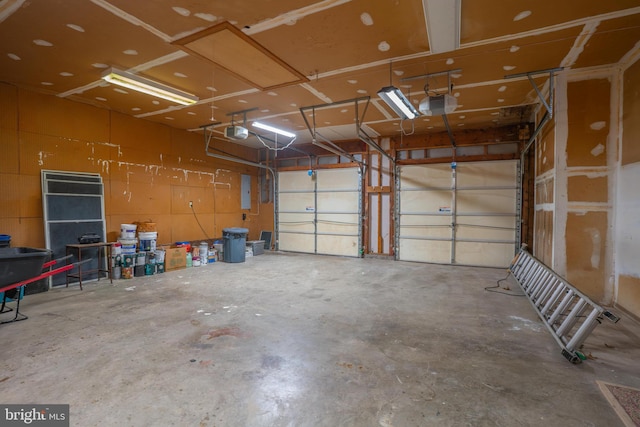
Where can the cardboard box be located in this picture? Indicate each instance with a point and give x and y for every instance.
(175, 259)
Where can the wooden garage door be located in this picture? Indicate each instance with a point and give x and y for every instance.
(320, 214)
(467, 215)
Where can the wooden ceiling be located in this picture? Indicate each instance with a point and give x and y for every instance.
(341, 49)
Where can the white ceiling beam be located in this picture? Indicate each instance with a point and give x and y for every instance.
(443, 24)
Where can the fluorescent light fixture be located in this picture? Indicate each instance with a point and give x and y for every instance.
(274, 129)
(140, 84)
(398, 102)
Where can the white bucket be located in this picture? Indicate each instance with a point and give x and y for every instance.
(128, 246)
(148, 240)
(128, 231)
(204, 252)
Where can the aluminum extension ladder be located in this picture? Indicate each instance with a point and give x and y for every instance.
(569, 315)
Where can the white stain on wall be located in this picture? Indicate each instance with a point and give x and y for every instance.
(597, 150)
(596, 241)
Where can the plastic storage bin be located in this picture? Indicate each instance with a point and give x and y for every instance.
(234, 244)
(5, 241)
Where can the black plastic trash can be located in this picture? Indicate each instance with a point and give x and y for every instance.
(234, 244)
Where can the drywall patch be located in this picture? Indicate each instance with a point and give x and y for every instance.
(40, 42)
(131, 52)
(502, 88)
(598, 125)
(514, 49)
(99, 65)
(508, 67)
(597, 150)
(449, 61)
(14, 56)
(181, 11)
(522, 15)
(366, 19)
(383, 46)
(75, 27)
(206, 17)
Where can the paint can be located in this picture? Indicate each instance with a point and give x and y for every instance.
(116, 273)
(128, 231)
(196, 261)
(149, 269)
(127, 272)
(160, 267)
(159, 256)
(148, 240)
(141, 257)
(129, 246)
(127, 261)
(138, 270)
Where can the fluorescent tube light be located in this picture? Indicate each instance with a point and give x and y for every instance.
(398, 102)
(274, 129)
(140, 84)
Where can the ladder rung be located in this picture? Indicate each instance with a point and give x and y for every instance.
(542, 285)
(584, 330)
(561, 307)
(554, 298)
(531, 281)
(548, 289)
(571, 319)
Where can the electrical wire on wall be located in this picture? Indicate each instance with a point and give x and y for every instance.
(198, 221)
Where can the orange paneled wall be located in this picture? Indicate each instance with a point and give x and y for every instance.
(150, 171)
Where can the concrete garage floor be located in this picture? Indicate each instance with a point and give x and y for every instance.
(301, 340)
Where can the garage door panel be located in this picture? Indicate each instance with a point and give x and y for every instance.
(295, 181)
(296, 242)
(425, 201)
(425, 226)
(296, 202)
(484, 254)
(296, 222)
(338, 245)
(426, 251)
(486, 228)
(338, 202)
(417, 176)
(485, 201)
(338, 179)
(338, 224)
(486, 174)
